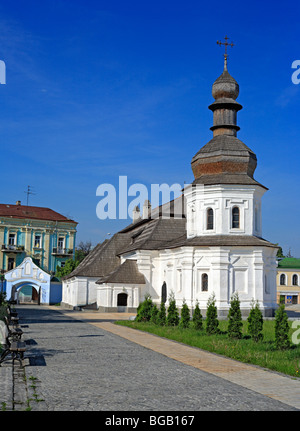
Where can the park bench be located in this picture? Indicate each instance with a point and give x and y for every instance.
(12, 316)
(14, 332)
(14, 347)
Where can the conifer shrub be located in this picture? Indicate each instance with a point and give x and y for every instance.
(154, 314)
(281, 329)
(173, 315)
(185, 316)
(197, 320)
(212, 322)
(162, 315)
(235, 323)
(144, 310)
(255, 322)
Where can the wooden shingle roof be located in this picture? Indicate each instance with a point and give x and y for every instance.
(126, 273)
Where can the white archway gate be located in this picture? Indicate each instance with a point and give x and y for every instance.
(28, 273)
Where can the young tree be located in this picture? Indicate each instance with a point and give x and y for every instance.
(235, 317)
(144, 310)
(255, 322)
(154, 315)
(185, 316)
(281, 329)
(212, 322)
(173, 315)
(197, 318)
(161, 318)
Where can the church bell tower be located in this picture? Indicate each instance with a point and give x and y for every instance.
(224, 198)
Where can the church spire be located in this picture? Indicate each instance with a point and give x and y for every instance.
(225, 90)
(224, 159)
(226, 44)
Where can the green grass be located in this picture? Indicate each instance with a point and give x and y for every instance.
(263, 353)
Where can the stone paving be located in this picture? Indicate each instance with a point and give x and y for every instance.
(78, 361)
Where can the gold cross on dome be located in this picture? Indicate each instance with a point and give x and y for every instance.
(226, 44)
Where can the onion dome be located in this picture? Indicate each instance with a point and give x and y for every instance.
(224, 159)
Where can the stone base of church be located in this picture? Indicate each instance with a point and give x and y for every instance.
(223, 313)
(120, 309)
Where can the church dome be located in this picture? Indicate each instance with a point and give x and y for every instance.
(225, 87)
(224, 159)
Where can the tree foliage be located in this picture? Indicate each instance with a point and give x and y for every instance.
(197, 320)
(173, 315)
(255, 322)
(162, 315)
(235, 318)
(212, 322)
(281, 329)
(82, 250)
(144, 310)
(185, 316)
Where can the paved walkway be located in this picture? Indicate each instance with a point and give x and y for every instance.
(82, 361)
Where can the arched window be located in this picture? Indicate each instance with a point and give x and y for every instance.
(295, 280)
(164, 292)
(210, 218)
(235, 218)
(204, 283)
(282, 280)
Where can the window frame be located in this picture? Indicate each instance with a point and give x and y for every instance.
(210, 219)
(233, 221)
(204, 282)
(282, 277)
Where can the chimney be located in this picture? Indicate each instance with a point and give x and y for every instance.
(146, 209)
(18, 203)
(135, 214)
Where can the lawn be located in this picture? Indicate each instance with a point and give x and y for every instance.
(262, 353)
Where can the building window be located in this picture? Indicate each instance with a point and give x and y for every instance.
(210, 219)
(282, 280)
(12, 239)
(204, 282)
(164, 292)
(235, 217)
(37, 241)
(61, 243)
(10, 263)
(295, 280)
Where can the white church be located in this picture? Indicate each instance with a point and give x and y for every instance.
(209, 242)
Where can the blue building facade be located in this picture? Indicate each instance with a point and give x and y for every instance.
(40, 233)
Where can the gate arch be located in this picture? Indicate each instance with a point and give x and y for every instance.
(17, 287)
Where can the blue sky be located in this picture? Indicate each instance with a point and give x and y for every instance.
(99, 89)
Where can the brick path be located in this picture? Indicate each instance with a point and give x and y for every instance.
(82, 362)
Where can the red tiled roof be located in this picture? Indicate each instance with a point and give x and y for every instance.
(28, 212)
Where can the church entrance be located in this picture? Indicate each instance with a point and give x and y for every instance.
(122, 302)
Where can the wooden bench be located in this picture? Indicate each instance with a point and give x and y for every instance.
(14, 332)
(14, 348)
(12, 315)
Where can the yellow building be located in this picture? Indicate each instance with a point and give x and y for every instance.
(40, 233)
(288, 281)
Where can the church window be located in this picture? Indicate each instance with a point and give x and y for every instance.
(282, 280)
(164, 292)
(210, 219)
(295, 280)
(235, 217)
(204, 283)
